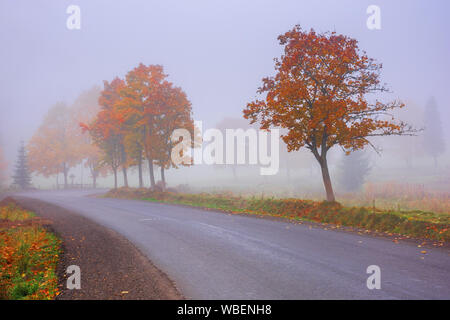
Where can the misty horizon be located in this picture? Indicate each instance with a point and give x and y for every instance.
(217, 53)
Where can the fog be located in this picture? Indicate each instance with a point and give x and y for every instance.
(218, 52)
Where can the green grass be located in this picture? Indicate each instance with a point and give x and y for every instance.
(11, 212)
(414, 223)
(28, 258)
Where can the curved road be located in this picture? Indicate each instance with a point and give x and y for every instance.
(212, 255)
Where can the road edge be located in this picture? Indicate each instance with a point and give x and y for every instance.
(116, 270)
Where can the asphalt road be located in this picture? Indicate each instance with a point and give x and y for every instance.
(213, 255)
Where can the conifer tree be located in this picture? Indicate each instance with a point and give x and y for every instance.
(354, 169)
(21, 177)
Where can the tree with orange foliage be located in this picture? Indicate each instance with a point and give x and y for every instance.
(53, 148)
(319, 94)
(142, 101)
(137, 118)
(134, 150)
(84, 110)
(176, 113)
(107, 128)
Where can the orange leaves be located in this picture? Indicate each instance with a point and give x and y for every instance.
(54, 146)
(28, 259)
(14, 213)
(319, 93)
(138, 115)
(84, 127)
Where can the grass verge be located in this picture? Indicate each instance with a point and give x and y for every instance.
(414, 223)
(28, 256)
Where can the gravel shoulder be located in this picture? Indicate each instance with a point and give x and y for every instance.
(111, 266)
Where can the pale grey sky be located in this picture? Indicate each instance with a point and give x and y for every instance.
(217, 51)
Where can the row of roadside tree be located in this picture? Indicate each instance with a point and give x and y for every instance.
(127, 123)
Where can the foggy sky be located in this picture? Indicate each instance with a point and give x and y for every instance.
(217, 51)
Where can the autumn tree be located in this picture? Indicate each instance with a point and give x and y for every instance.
(84, 110)
(134, 149)
(46, 164)
(175, 113)
(53, 149)
(433, 137)
(319, 94)
(110, 98)
(93, 162)
(142, 101)
(21, 176)
(106, 130)
(152, 108)
(136, 119)
(59, 143)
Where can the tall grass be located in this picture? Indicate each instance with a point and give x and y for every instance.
(400, 196)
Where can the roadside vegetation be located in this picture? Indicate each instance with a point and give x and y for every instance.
(412, 223)
(386, 195)
(28, 256)
(401, 197)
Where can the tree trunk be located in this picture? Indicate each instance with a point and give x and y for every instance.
(115, 177)
(163, 178)
(327, 180)
(65, 176)
(141, 180)
(125, 176)
(152, 176)
(94, 181)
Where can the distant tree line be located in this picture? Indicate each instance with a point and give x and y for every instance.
(59, 143)
(125, 124)
(136, 119)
